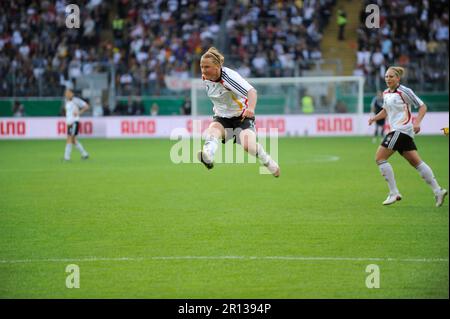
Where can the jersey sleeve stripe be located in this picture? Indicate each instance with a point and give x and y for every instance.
(410, 95)
(234, 84)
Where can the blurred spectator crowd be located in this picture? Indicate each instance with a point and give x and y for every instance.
(413, 34)
(154, 39)
(38, 52)
(276, 38)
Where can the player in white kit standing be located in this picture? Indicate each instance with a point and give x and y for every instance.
(74, 107)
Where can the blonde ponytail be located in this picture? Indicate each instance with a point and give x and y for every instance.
(398, 70)
(216, 57)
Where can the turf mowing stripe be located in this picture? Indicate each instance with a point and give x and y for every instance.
(293, 258)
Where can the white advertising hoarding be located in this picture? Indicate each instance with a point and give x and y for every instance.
(164, 126)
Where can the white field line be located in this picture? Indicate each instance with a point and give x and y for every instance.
(285, 258)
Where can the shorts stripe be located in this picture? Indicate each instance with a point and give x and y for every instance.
(398, 141)
(393, 140)
(72, 129)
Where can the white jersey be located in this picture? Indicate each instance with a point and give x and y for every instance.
(73, 106)
(228, 94)
(398, 107)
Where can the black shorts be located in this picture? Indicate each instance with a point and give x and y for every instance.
(72, 129)
(234, 125)
(398, 141)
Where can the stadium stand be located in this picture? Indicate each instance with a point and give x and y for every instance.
(414, 34)
(276, 39)
(38, 52)
(145, 41)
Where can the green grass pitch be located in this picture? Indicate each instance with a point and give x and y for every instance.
(139, 226)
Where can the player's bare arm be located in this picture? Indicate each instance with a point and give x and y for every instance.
(422, 111)
(252, 98)
(381, 115)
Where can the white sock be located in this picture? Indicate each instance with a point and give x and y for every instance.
(211, 145)
(68, 151)
(261, 154)
(427, 174)
(388, 173)
(81, 149)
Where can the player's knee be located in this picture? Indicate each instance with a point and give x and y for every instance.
(246, 146)
(245, 141)
(414, 162)
(249, 146)
(211, 133)
(214, 131)
(379, 160)
(380, 156)
(252, 149)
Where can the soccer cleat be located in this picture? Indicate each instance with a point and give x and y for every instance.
(205, 159)
(392, 198)
(440, 197)
(85, 157)
(273, 167)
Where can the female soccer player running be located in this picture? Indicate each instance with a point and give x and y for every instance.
(234, 101)
(74, 107)
(397, 101)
